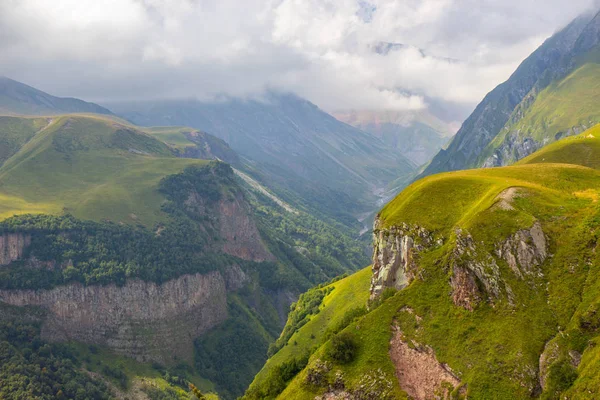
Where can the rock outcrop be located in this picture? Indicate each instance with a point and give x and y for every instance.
(395, 252)
(524, 250)
(239, 233)
(475, 273)
(13, 247)
(142, 320)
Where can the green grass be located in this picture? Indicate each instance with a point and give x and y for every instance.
(583, 149)
(173, 136)
(494, 349)
(348, 293)
(91, 167)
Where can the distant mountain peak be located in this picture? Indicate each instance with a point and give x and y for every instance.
(19, 98)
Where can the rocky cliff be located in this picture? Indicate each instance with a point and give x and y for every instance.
(13, 247)
(395, 253)
(143, 320)
(475, 272)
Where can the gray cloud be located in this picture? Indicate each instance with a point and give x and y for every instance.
(319, 49)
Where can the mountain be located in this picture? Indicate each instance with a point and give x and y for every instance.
(417, 135)
(524, 113)
(18, 98)
(291, 146)
(172, 265)
(485, 284)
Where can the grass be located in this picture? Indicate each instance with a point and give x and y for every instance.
(495, 349)
(91, 167)
(348, 293)
(173, 136)
(583, 149)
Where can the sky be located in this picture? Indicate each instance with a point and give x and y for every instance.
(454, 51)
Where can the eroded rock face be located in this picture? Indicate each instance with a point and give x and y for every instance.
(419, 372)
(524, 250)
(394, 255)
(231, 217)
(13, 246)
(475, 274)
(142, 320)
(239, 232)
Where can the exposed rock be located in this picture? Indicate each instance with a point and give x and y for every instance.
(419, 372)
(524, 250)
(475, 274)
(142, 320)
(235, 278)
(231, 217)
(505, 199)
(395, 252)
(239, 232)
(13, 247)
(547, 358)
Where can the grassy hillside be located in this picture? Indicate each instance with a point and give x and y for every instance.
(564, 107)
(583, 149)
(317, 314)
(91, 167)
(495, 349)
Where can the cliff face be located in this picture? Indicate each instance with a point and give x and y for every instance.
(475, 272)
(239, 232)
(143, 320)
(395, 250)
(13, 246)
(230, 216)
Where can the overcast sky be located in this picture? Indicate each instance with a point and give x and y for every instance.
(322, 50)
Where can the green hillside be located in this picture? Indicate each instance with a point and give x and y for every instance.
(583, 149)
(90, 167)
(493, 350)
(563, 108)
(312, 319)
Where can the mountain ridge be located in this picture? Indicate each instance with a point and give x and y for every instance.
(21, 99)
(492, 114)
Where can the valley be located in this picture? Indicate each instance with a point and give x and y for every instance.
(229, 238)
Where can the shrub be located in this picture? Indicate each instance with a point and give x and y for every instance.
(342, 348)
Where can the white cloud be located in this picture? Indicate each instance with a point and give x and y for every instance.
(320, 49)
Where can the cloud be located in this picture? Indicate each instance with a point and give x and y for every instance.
(457, 50)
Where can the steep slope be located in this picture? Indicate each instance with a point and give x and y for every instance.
(18, 98)
(551, 62)
(496, 272)
(297, 147)
(416, 135)
(564, 108)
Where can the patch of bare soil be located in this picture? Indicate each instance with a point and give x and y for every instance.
(506, 197)
(418, 371)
